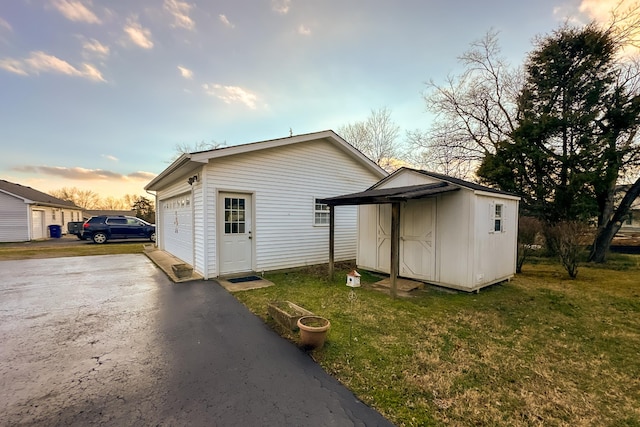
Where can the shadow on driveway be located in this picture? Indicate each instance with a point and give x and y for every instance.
(109, 340)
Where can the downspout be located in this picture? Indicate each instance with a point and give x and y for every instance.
(193, 224)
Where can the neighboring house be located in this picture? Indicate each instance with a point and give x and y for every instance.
(86, 214)
(253, 207)
(631, 224)
(25, 213)
(451, 232)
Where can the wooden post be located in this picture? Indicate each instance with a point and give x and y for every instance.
(395, 247)
(332, 222)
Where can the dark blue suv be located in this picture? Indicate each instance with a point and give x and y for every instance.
(104, 227)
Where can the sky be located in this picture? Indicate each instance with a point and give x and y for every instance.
(98, 94)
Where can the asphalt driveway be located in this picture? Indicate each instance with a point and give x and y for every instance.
(109, 340)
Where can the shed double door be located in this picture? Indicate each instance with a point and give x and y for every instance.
(417, 239)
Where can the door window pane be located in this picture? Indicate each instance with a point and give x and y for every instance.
(234, 215)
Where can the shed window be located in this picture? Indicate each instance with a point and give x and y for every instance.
(498, 218)
(320, 213)
(234, 215)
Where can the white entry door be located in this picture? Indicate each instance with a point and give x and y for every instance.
(235, 233)
(417, 237)
(37, 225)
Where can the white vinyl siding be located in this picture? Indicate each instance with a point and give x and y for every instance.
(14, 219)
(467, 256)
(283, 181)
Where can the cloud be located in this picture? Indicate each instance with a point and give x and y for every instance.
(141, 175)
(304, 30)
(82, 174)
(5, 26)
(13, 66)
(138, 35)
(110, 157)
(185, 72)
(94, 47)
(75, 10)
(281, 6)
(231, 94)
(180, 11)
(225, 21)
(40, 62)
(592, 10)
(92, 73)
(600, 10)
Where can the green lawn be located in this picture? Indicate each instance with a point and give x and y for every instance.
(539, 350)
(25, 251)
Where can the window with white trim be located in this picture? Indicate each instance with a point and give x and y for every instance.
(320, 213)
(497, 218)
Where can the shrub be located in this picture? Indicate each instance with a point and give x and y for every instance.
(529, 230)
(568, 239)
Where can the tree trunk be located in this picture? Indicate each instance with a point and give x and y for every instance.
(612, 225)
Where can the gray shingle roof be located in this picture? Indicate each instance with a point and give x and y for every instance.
(389, 195)
(34, 196)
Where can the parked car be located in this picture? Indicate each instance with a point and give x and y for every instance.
(76, 227)
(105, 227)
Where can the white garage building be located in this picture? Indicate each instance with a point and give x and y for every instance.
(254, 207)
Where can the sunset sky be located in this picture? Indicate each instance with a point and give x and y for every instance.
(97, 94)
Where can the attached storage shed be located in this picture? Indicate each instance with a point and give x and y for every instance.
(254, 207)
(26, 213)
(449, 232)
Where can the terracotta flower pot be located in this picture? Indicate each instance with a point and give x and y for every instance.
(313, 331)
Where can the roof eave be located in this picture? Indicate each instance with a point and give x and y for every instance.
(156, 183)
(331, 136)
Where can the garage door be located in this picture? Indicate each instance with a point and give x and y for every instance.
(177, 227)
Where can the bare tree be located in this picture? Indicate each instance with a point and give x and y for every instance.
(376, 137)
(438, 156)
(113, 203)
(184, 148)
(85, 199)
(474, 111)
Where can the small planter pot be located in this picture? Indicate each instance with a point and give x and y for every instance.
(313, 331)
(286, 313)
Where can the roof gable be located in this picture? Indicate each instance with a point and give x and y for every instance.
(444, 178)
(189, 162)
(32, 196)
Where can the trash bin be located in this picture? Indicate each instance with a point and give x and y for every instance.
(55, 231)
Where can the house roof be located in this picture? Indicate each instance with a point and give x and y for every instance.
(456, 181)
(389, 195)
(32, 196)
(376, 195)
(190, 162)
